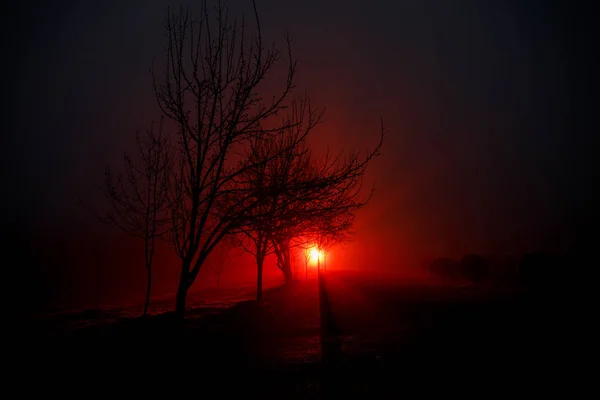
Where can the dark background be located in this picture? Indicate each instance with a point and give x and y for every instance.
(490, 110)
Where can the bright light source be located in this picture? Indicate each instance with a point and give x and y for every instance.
(314, 255)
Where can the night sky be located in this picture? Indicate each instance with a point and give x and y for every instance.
(490, 145)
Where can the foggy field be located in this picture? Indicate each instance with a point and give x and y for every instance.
(371, 330)
(202, 302)
(300, 200)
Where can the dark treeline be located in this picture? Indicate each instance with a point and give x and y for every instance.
(535, 271)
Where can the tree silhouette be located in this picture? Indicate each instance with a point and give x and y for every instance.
(301, 198)
(334, 228)
(138, 195)
(320, 202)
(210, 89)
(276, 161)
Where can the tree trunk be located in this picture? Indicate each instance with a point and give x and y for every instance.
(148, 287)
(306, 269)
(286, 262)
(218, 281)
(182, 290)
(287, 273)
(259, 263)
(181, 300)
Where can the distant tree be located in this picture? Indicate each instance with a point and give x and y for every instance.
(268, 183)
(301, 197)
(210, 89)
(321, 202)
(294, 261)
(139, 204)
(257, 245)
(335, 228)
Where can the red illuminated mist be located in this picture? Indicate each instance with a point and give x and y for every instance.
(481, 153)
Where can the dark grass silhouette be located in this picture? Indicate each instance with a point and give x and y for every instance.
(398, 337)
(278, 337)
(350, 334)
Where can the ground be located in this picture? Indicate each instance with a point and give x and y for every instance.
(343, 335)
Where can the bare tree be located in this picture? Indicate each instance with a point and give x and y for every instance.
(320, 202)
(253, 236)
(301, 198)
(323, 234)
(276, 161)
(138, 195)
(256, 244)
(210, 89)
